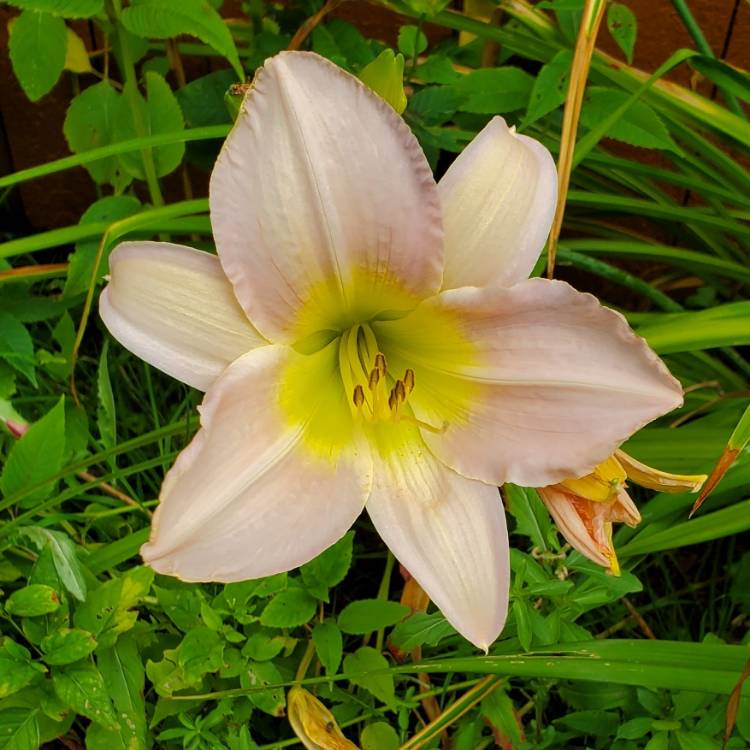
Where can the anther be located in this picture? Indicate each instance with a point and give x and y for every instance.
(409, 380)
(374, 379)
(400, 391)
(358, 396)
(393, 401)
(380, 363)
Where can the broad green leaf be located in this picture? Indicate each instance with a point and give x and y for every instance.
(32, 33)
(366, 668)
(39, 453)
(328, 645)
(67, 645)
(64, 8)
(162, 114)
(200, 652)
(76, 54)
(182, 605)
(492, 91)
(109, 209)
(635, 728)
(550, 87)
(162, 19)
(340, 41)
(523, 623)
(16, 346)
(385, 76)
(107, 611)
(411, 41)
(264, 645)
(421, 629)
(330, 567)
(289, 608)
(19, 729)
(623, 25)
(379, 736)
(33, 601)
(16, 668)
(90, 123)
(260, 674)
(63, 552)
(82, 687)
(122, 670)
(639, 125)
(364, 616)
(438, 69)
(532, 519)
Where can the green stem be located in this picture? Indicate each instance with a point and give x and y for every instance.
(385, 584)
(136, 103)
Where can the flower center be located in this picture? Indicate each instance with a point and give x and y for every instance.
(376, 395)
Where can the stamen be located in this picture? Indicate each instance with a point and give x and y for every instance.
(373, 379)
(409, 380)
(380, 363)
(400, 391)
(359, 396)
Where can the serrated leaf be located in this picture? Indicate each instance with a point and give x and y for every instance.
(162, 114)
(331, 566)
(532, 519)
(623, 26)
(63, 8)
(328, 645)
(365, 668)
(62, 549)
(16, 346)
(34, 31)
(264, 673)
(491, 91)
(162, 19)
(639, 126)
(288, 609)
(82, 687)
(67, 645)
(364, 616)
(550, 87)
(107, 610)
(90, 123)
(421, 629)
(39, 453)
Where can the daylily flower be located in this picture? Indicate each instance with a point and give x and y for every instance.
(366, 336)
(586, 508)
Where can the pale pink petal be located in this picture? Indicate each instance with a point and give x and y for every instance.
(250, 496)
(174, 307)
(449, 533)
(552, 382)
(498, 200)
(323, 206)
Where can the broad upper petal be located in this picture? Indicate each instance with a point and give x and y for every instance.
(545, 384)
(323, 206)
(252, 495)
(174, 307)
(450, 534)
(498, 200)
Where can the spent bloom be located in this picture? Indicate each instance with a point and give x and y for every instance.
(586, 508)
(369, 337)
